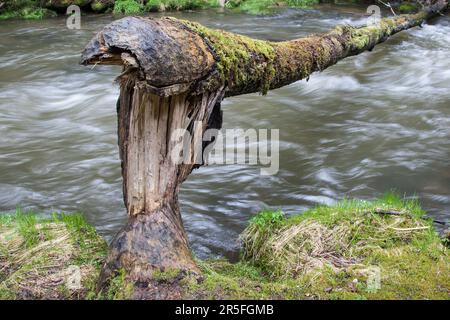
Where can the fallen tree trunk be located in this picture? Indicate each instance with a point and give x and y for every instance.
(175, 75)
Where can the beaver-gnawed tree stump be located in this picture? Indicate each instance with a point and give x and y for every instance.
(175, 75)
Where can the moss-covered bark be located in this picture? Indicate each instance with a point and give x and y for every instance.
(247, 65)
(243, 65)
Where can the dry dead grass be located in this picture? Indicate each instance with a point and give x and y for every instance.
(333, 239)
(49, 266)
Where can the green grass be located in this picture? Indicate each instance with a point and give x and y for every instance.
(32, 9)
(27, 13)
(100, 6)
(37, 253)
(250, 6)
(348, 209)
(266, 6)
(133, 7)
(335, 252)
(119, 288)
(24, 9)
(408, 7)
(255, 6)
(128, 7)
(327, 252)
(179, 5)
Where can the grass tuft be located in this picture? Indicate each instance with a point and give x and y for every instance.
(39, 256)
(262, 7)
(119, 287)
(179, 5)
(338, 236)
(128, 7)
(27, 13)
(384, 249)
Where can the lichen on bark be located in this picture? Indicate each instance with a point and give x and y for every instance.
(247, 65)
(243, 63)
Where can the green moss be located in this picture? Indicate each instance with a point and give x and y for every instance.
(127, 7)
(256, 6)
(37, 254)
(267, 6)
(154, 5)
(247, 65)
(349, 209)
(97, 6)
(268, 219)
(301, 3)
(327, 252)
(119, 288)
(408, 7)
(335, 252)
(24, 9)
(237, 64)
(179, 5)
(28, 13)
(165, 275)
(102, 5)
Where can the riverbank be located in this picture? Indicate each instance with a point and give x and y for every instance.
(39, 256)
(384, 249)
(33, 9)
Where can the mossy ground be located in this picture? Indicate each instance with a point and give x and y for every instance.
(41, 258)
(249, 6)
(408, 7)
(384, 249)
(354, 250)
(266, 6)
(33, 9)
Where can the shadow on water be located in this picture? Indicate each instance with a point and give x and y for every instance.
(372, 123)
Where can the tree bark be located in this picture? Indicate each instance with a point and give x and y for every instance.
(175, 74)
(154, 237)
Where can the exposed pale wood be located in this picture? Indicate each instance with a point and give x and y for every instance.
(154, 236)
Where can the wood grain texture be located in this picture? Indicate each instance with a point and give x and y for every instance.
(154, 236)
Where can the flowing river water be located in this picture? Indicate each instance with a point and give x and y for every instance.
(376, 122)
